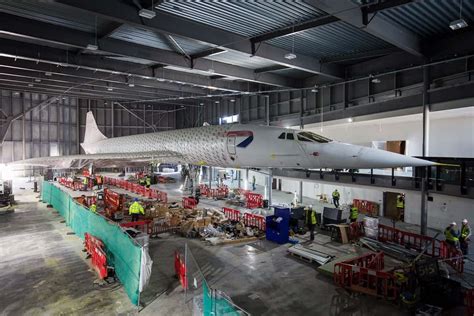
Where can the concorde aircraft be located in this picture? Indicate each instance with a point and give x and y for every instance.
(233, 146)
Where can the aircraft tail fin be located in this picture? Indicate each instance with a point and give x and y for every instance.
(92, 134)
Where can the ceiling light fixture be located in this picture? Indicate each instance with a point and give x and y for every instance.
(131, 85)
(201, 103)
(292, 55)
(48, 74)
(30, 85)
(147, 14)
(315, 90)
(110, 89)
(459, 23)
(232, 100)
(376, 80)
(92, 47)
(37, 80)
(216, 102)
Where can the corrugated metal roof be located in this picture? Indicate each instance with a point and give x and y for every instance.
(54, 13)
(293, 73)
(140, 36)
(428, 18)
(133, 60)
(330, 40)
(241, 59)
(247, 18)
(191, 46)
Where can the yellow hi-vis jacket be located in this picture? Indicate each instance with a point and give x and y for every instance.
(400, 203)
(85, 181)
(136, 208)
(311, 217)
(354, 213)
(335, 194)
(93, 208)
(465, 231)
(449, 235)
(148, 181)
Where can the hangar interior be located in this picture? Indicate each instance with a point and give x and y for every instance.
(235, 237)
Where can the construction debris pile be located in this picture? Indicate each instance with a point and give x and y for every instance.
(210, 224)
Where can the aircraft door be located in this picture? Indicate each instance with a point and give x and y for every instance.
(231, 145)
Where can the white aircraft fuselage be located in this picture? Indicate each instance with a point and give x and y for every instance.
(242, 146)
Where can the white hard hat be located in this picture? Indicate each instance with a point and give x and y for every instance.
(453, 224)
(311, 206)
(464, 221)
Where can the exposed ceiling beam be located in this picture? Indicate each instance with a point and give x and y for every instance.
(170, 24)
(388, 4)
(35, 76)
(270, 68)
(11, 25)
(108, 30)
(208, 52)
(351, 13)
(458, 44)
(57, 60)
(369, 54)
(295, 28)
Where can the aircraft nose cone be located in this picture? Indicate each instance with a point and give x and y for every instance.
(376, 158)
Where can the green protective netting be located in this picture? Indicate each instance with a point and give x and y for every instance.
(216, 306)
(122, 253)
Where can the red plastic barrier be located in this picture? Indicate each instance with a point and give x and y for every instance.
(254, 220)
(143, 226)
(364, 274)
(204, 189)
(95, 248)
(233, 215)
(180, 270)
(189, 202)
(469, 302)
(254, 200)
(404, 238)
(455, 255)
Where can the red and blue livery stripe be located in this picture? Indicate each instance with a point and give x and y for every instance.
(246, 141)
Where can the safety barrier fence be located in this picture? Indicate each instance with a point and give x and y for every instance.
(121, 250)
(249, 219)
(189, 202)
(220, 192)
(431, 246)
(205, 300)
(366, 207)
(95, 248)
(364, 274)
(254, 200)
(138, 189)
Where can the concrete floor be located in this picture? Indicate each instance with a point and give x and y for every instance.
(43, 270)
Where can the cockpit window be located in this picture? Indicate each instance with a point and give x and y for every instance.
(312, 137)
(282, 136)
(290, 136)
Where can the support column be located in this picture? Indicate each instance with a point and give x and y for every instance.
(425, 150)
(239, 178)
(300, 198)
(246, 186)
(269, 187)
(267, 109)
(209, 176)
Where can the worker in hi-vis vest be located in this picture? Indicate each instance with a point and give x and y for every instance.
(452, 235)
(464, 238)
(400, 206)
(135, 210)
(354, 214)
(93, 208)
(335, 198)
(310, 220)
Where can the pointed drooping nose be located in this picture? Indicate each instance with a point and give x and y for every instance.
(345, 156)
